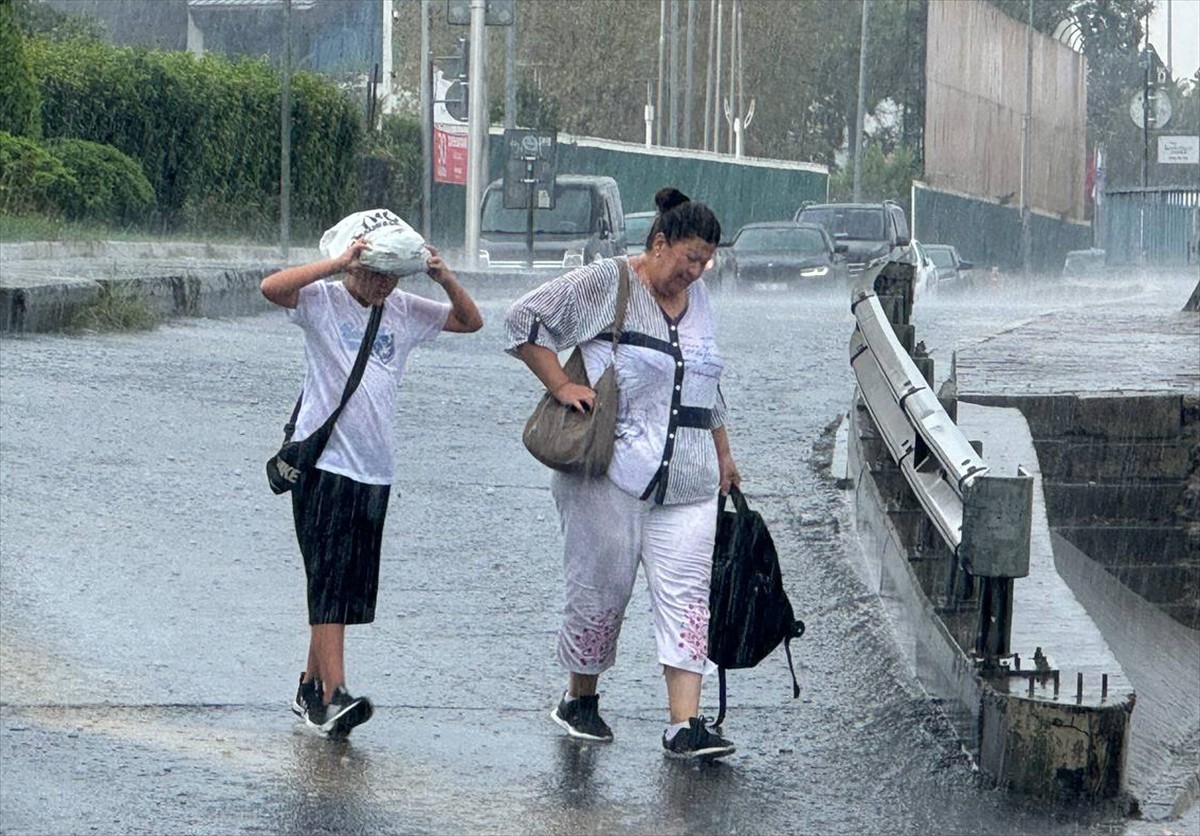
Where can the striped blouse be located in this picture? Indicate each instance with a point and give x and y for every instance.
(668, 373)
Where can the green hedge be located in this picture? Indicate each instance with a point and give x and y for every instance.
(31, 177)
(109, 187)
(206, 132)
(389, 169)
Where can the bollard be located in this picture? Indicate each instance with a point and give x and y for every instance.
(1103, 687)
(1079, 687)
(1016, 661)
(1056, 685)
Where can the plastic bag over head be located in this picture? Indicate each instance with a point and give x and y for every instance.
(395, 247)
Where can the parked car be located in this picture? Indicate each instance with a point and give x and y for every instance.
(925, 279)
(950, 266)
(864, 232)
(1084, 263)
(587, 223)
(637, 227)
(778, 255)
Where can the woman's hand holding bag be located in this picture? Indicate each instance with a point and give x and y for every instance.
(574, 441)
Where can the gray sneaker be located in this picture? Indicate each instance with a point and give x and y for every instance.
(696, 741)
(581, 718)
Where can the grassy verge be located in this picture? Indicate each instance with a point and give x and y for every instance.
(116, 308)
(19, 228)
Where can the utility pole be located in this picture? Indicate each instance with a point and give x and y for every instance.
(476, 131)
(743, 122)
(731, 105)
(673, 76)
(1170, 66)
(862, 97)
(716, 107)
(648, 113)
(689, 67)
(426, 122)
(708, 76)
(510, 75)
(662, 47)
(285, 137)
(1027, 146)
(385, 58)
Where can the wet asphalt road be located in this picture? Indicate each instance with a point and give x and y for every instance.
(152, 619)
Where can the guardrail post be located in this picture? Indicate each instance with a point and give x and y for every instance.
(997, 520)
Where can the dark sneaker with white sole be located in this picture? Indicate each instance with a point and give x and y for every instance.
(697, 742)
(308, 697)
(341, 715)
(581, 718)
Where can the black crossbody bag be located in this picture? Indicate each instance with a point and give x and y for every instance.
(295, 457)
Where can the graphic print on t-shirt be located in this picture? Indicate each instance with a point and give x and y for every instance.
(385, 343)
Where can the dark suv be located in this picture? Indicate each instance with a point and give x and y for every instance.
(862, 232)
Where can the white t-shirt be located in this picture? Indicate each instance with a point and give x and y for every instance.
(334, 324)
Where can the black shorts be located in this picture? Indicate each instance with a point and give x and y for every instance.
(339, 526)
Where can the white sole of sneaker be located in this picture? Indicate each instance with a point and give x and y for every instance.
(576, 734)
(701, 754)
(357, 714)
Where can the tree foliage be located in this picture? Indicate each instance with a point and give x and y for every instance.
(105, 185)
(18, 90)
(1110, 33)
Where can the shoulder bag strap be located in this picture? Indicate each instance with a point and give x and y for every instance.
(622, 300)
(356, 373)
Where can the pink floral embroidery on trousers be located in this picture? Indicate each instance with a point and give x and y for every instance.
(693, 632)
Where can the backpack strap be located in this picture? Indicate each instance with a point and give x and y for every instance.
(721, 706)
(797, 632)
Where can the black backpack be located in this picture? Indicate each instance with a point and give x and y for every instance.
(749, 612)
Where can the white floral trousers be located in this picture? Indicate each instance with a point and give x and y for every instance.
(607, 533)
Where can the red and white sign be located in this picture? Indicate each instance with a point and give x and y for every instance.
(450, 155)
(449, 137)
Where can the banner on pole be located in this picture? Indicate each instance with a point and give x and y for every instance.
(449, 135)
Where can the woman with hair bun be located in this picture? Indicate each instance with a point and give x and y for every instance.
(657, 504)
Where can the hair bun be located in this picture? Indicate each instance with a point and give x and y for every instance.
(668, 197)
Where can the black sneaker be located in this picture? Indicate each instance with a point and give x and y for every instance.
(696, 741)
(581, 718)
(308, 697)
(343, 713)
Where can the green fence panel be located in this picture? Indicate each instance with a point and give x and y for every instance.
(739, 191)
(1156, 227)
(989, 234)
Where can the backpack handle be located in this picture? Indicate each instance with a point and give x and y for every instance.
(739, 500)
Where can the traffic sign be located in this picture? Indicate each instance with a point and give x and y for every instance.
(1160, 108)
(530, 166)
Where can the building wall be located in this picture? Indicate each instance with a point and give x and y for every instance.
(975, 104)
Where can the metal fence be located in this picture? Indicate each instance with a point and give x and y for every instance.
(988, 233)
(1154, 226)
(739, 190)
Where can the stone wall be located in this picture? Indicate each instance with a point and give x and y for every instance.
(1122, 482)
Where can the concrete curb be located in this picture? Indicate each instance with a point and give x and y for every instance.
(44, 284)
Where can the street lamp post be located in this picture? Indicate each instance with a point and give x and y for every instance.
(476, 131)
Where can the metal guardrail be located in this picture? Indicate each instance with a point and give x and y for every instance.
(984, 519)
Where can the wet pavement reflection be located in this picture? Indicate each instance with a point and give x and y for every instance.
(152, 618)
